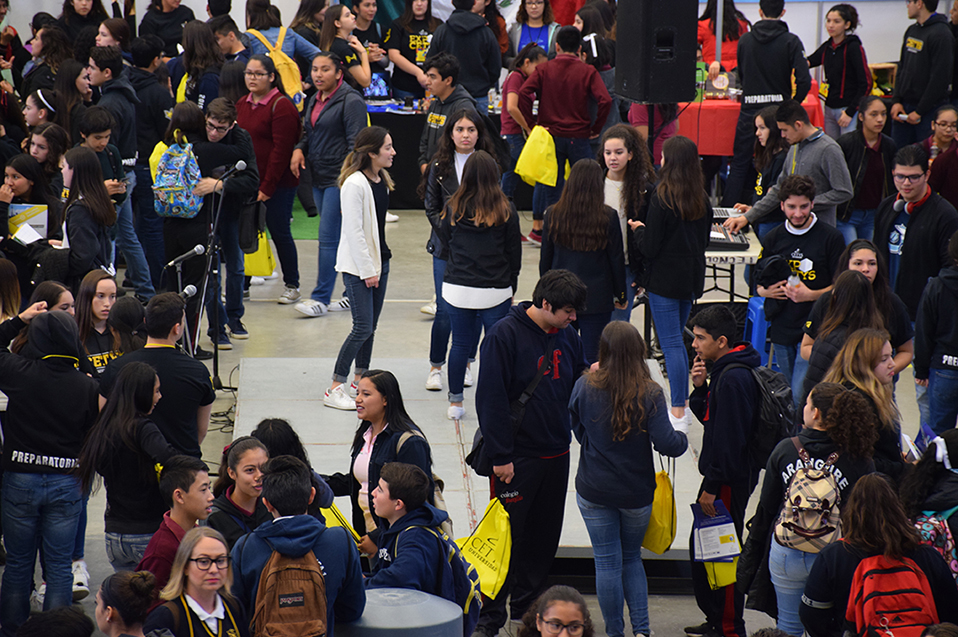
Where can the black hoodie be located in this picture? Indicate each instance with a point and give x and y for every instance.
(767, 55)
(936, 331)
(439, 110)
(41, 435)
(944, 496)
(152, 112)
(119, 97)
(846, 73)
(168, 26)
(924, 71)
(467, 36)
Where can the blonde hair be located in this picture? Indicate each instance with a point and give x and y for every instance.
(177, 584)
(855, 365)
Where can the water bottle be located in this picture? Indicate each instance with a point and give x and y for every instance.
(793, 281)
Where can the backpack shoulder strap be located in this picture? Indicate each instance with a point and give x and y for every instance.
(279, 40)
(262, 38)
(406, 435)
(801, 451)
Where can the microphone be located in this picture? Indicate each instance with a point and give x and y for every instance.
(238, 166)
(197, 250)
(188, 291)
(899, 205)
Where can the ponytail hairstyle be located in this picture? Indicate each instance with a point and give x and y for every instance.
(259, 16)
(848, 14)
(127, 323)
(847, 419)
(88, 185)
(370, 140)
(530, 52)
(580, 219)
(921, 478)
(681, 182)
(45, 99)
(624, 375)
(232, 454)
(479, 196)
(874, 519)
(639, 172)
(130, 594)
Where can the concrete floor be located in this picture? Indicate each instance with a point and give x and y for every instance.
(278, 332)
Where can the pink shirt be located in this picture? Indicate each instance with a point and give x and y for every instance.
(512, 85)
(321, 103)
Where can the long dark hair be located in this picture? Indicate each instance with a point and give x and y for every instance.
(852, 305)
(9, 289)
(369, 140)
(84, 301)
(57, 47)
(47, 291)
(580, 219)
(120, 30)
(592, 21)
(330, 30)
(531, 51)
(127, 324)
(69, 12)
(397, 418)
(638, 173)
(681, 182)
(88, 184)
(130, 400)
(405, 20)
(444, 160)
(233, 81)
(30, 168)
(555, 594)
(492, 16)
(479, 196)
(731, 29)
(304, 15)
(764, 155)
(847, 419)
(259, 15)
(200, 50)
(881, 286)
(271, 70)
(548, 17)
(187, 119)
(68, 95)
(874, 519)
(232, 455)
(282, 440)
(58, 141)
(624, 375)
(921, 478)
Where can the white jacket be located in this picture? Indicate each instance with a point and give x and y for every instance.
(359, 251)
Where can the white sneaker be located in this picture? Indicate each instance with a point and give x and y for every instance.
(312, 308)
(429, 308)
(257, 280)
(434, 380)
(342, 305)
(467, 379)
(81, 581)
(681, 424)
(289, 296)
(338, 399)
(353, 390)
(274, 275)
(391, 218)
(37, 597)
(455, 413)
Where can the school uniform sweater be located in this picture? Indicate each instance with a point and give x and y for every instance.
(564, 86)
(274, 126)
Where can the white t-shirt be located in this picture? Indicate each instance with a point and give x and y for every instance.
(460, 164)
(613, 199)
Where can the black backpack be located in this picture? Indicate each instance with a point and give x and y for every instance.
(775, 415)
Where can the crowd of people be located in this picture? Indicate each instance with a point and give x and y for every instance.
(858, 273)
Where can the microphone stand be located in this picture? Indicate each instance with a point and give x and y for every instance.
(186, 324)
(213, 267)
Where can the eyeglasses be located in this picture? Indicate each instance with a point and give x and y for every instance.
(947, 125)
(909, 178)
(217, 129)
(204, 563)
(554, 627)
(256, 74)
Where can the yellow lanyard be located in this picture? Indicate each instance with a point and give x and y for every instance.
(233, 632)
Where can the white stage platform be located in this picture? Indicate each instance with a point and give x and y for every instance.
(293, 389)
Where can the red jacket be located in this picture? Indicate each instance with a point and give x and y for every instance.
(274, 127)
(564, 86)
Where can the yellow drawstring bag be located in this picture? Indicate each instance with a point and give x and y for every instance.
(261, 262)
(537, 162)
(335, 517)
(489, 548)
(662, 524)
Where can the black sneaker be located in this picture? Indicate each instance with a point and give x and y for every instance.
(201, 354)
(702, 629)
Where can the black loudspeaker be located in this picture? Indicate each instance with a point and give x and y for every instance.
(655, 50)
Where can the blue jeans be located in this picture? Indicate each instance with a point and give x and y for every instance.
(670, 317)
(137, 270)
(942, 399)
(39, 509)
(125, 550)
(923, 398)
(590, 328)
(832, 129)
(441, 327)
(789, 569)
(79, 539)
(510, 179)
(279, 214)
(232, 259)
(567, 148)
(904, 133)
(482, 104)
(626, 314)
(616, 536)
(330, 223)
(365, 305)
(791, 363)
(860, 225)
(465, 335)
(149, 227)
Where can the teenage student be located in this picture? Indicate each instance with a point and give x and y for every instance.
(338, 38)
(238, 508)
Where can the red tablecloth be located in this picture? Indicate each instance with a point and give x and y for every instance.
(711, 124)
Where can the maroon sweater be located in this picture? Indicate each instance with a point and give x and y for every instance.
(275, 128)
(944, 172)
(564, 86)
(158, 558)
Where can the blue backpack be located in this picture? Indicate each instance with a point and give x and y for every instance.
(463, 576)
(177, 175)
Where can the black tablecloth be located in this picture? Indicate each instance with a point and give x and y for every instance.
(406, 131)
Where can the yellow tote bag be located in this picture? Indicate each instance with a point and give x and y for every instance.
(721, 574)
(335, 517)
(537, 162)
(261, 262)
(662, 524)
(489, 548)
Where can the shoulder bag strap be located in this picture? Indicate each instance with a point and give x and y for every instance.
(545, 366)
(801, 451)
(279, 40)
